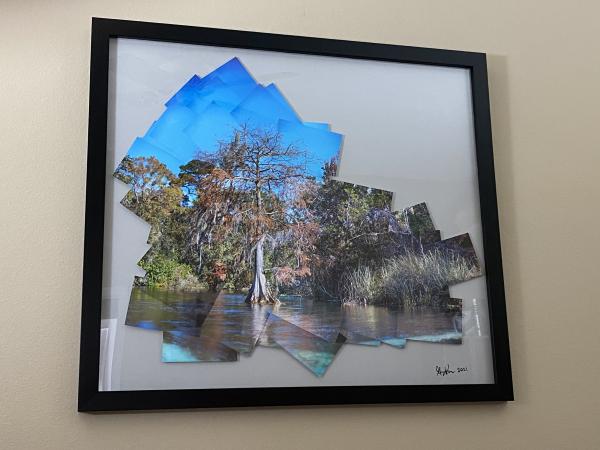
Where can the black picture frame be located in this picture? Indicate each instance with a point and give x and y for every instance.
(90, 399)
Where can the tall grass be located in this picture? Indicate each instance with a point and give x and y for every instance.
(359, 286)
(411, 279)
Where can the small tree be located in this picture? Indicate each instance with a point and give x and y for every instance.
(156, 197)
(154, 188)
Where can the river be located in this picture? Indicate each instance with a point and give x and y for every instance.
(206, 326)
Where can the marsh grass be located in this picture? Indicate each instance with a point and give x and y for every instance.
(411, 279)
(360, 286)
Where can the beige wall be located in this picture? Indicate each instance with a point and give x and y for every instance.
(545, 90)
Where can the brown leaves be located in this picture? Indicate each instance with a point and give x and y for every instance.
(288, 275)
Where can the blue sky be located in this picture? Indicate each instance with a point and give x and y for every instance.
(206, 110)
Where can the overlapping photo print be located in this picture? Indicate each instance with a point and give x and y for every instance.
(257, 240)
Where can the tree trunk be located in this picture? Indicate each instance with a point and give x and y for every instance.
(259, 292)
(199, 268)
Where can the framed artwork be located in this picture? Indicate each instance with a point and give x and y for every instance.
(281, 220)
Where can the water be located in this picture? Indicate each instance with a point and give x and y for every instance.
(160, 309)
(205, 326)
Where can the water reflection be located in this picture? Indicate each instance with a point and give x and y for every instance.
(204, 326)
(315, 353)
(438, 324)
(235, 323)
(162, 309)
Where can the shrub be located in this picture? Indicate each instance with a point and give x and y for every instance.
(167, 273)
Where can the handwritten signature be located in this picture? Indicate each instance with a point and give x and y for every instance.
(446, 370)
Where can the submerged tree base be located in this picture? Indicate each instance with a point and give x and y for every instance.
(259, 295)
(253, 300)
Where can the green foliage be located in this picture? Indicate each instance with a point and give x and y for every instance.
(155, 191)
(168, 273)
(419, 220)
(156, 197)
(365, 253)
(226, 263)
(351, 219)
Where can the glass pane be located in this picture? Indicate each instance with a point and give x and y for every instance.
(279, 219)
